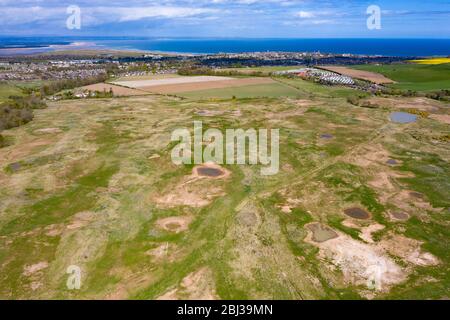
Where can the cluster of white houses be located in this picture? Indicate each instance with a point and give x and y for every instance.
(320, 75)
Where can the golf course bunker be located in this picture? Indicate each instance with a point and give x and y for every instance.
(397, 215)
(403, 117)
(357, 213)
(321, 233)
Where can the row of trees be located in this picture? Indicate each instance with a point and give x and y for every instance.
(18, 111)
(196, 71)
(60, 85)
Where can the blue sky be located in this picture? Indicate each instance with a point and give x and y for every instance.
(227, 18)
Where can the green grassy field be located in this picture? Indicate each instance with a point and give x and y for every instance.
(416, 77)
(91, 183)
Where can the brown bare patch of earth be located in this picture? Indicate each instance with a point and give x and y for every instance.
(211, 170)
(170, 81)
(360, 262)
(382, 180)
(366, 232)
(198, 86)
(198, 285)
(408, 249)
(407, 199)
(444, 118)
(321, 233)
(48, 131)
(195, 190)
(34, 268)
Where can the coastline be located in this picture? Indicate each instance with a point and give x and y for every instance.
(198, 47)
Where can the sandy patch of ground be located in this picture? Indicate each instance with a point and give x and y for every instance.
(360, 263)
(286, 209)
(360, 74)
(198, 285)
(285, 114)
(444, 118)
(209, 113)
(366, 232)
(198, 171)
(163, 251)
(22, 149)
(48, 131)
(409, 250)
(399, 216)
(194, 190)
(423, 104)
(189, 195)
(369, 155)
(32, 269)
(81, 220)
(305, 103)
(382, 180)
(174, 224)
(169, 81)
(405, 199)
(54, 230)
(203, 85)
(117, 90)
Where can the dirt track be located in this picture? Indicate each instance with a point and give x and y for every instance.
(117, 90)
(359, 74)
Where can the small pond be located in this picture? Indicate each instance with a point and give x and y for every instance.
(403, 117)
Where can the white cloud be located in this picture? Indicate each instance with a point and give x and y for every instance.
(305, 14)
(136, 13)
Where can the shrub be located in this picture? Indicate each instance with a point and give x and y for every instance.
(2, 141)
(354, 100)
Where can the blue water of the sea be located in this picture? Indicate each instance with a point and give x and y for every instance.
(384, 47)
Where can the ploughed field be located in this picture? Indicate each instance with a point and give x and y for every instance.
(359, 209)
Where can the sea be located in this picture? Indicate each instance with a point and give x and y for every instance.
(378, 47)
